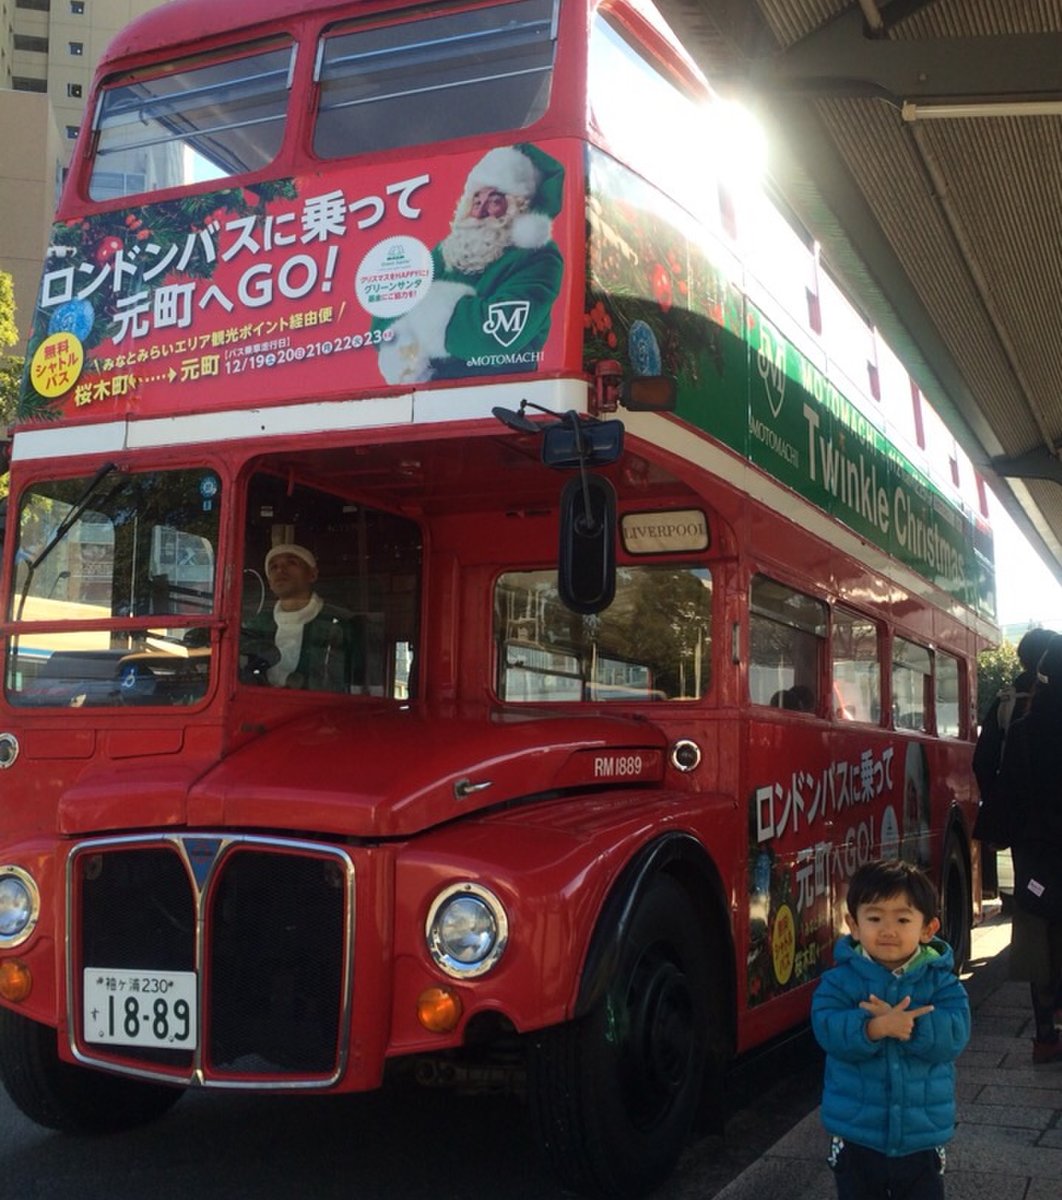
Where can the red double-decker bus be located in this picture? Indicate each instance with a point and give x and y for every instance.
(457, 607)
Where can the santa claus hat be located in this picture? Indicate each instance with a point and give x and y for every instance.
(528, 173)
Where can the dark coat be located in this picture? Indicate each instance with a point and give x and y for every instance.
(994, 818)
(329, 657)
(1030, 776)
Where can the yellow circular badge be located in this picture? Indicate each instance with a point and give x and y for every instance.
(783, 944)
(56, 364)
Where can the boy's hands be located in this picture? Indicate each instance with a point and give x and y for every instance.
(892, 1020)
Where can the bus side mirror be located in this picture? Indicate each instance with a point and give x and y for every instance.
(586, 565)
(576, 443)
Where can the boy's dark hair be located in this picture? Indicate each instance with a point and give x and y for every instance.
(882, 879)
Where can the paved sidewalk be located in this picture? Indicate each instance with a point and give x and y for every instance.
(1008, 1145)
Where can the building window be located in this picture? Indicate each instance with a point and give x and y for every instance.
(77, 49)
(109, 185)
(22, 83)
(24, 41)
(77, 7)
(71, 132)
(74, 90)
(36, 5)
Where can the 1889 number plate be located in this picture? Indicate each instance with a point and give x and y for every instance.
(140, 1008)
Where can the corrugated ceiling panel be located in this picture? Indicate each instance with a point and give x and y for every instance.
(791, 20)
(982, 18)
(1005, 177)
(898, 191)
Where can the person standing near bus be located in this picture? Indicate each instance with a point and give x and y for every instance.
(495, 276)
(1030, 780)
(310, 643)
(1012, 702)
(892, 1017)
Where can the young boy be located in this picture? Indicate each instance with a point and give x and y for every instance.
(892, 1018)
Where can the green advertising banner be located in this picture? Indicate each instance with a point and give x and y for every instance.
(807, 435)
(663, 297)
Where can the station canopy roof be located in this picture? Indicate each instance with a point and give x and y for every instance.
(920, 143)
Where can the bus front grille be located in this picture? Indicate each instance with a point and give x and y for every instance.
(265, 926)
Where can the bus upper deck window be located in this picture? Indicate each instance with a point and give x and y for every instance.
(191, 122)
(433, 79)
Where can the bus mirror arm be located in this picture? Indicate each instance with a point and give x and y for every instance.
(568, 440)
(586, 561)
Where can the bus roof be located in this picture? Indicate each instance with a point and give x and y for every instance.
(192, 21)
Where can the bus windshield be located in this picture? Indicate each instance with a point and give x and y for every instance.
(191, 121)
(91, 557)
(437, 78)
(351, 586)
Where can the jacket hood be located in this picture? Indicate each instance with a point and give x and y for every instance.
(847, 951)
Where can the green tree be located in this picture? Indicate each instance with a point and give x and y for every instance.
(995, 668)
(10, 366)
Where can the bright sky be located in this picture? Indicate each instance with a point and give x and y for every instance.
(1026, 591)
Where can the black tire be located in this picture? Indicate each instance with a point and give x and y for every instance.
(71, 1099)
(956, 904)
(614, 1094)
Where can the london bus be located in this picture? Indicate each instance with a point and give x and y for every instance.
(647, 629)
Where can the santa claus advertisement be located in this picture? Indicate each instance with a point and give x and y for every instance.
(314, 287)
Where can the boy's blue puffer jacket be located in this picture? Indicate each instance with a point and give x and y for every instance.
(895, 1097)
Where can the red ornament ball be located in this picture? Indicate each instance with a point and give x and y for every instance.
(108, 248)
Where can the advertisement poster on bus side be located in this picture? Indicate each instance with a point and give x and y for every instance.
(826, 807)
(662, 299)
(314, 287)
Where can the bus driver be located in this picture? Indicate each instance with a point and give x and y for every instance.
(307, 643)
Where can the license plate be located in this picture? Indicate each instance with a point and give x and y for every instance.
(140, 1008)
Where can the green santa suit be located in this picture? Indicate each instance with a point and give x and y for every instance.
(494, 320)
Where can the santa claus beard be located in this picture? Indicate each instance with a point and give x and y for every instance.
(475, 242)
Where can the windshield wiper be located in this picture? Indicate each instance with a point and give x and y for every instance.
(62, 529)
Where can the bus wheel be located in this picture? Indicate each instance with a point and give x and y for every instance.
(68, 1098)
(955, 902)
(614, 1094)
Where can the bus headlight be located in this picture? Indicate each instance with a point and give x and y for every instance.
(19, 906)
(467, 930)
